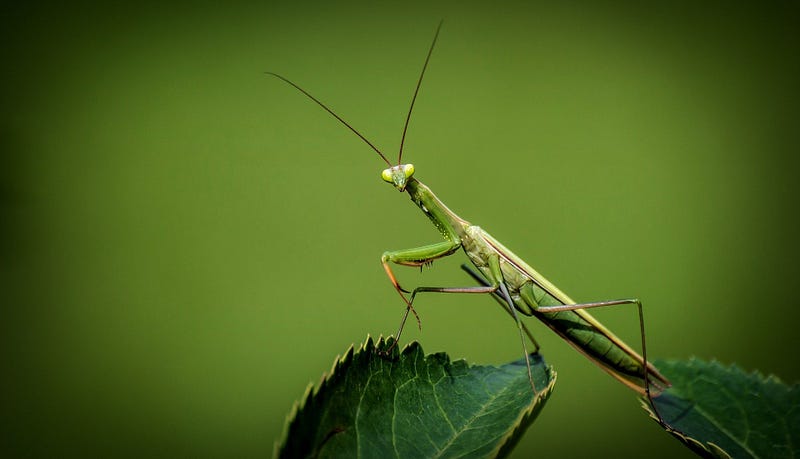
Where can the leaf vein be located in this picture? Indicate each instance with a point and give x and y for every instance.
(482, 412)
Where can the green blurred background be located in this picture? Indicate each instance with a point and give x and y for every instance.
(186, 243)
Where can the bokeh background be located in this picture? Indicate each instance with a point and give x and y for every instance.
(186, 243)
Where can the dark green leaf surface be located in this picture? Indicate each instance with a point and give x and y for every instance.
(720, 411)
(412, 405)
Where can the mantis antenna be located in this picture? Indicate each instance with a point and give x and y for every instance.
(332, 113)
(416, 91)
(408, 116)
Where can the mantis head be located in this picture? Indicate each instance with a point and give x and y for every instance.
(398, 175)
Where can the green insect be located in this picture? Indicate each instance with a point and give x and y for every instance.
(518, 287)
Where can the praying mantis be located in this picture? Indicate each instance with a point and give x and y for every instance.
(519, 288)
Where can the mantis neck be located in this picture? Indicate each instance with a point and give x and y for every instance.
(445, 220)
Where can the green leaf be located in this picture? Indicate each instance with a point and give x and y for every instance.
(408, 404)
(722, 411)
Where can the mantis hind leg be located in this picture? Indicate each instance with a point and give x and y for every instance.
(527, 295)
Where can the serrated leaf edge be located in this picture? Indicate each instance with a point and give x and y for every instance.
(712, 449)
(522, 421)
(755, 374)
(709, 449)
(339, 361)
